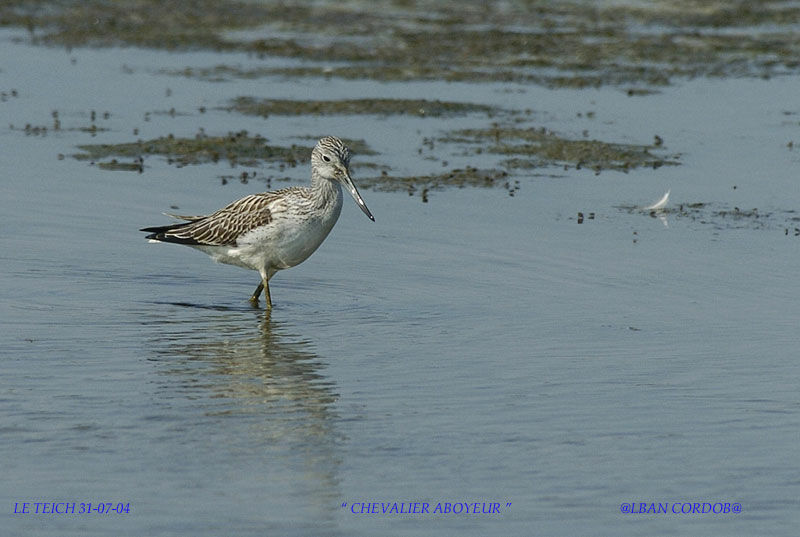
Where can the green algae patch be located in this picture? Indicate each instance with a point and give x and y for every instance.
(532, 147)
(137, 165)
(414, 107)
(455, 178)
(530, 153)
(238, 148)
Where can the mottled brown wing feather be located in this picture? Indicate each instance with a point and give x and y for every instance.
(223, 227)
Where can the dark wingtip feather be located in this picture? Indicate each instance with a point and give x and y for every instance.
(159, 233)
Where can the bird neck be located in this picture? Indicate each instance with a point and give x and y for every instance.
(324, 191)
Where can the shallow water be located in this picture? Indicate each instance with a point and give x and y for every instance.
(475, 348)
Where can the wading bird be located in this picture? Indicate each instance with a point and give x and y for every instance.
(272, 231)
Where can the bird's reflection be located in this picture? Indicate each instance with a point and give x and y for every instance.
(240, 366)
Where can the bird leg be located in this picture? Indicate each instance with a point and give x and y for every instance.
(263, 286)
(257, 293)
(266, 294)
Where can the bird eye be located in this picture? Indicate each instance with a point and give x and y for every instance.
(326, 158)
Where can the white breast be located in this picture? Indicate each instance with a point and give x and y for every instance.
(289, 239)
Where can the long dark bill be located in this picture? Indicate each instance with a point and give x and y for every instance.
(351, 187)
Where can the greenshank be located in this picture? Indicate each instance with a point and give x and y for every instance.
(272, 231)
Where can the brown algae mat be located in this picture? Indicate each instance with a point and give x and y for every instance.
(413, 107)
(568, 43)
(635, 46)
(532, 148)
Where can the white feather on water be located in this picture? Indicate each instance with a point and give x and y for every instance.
(660, 204)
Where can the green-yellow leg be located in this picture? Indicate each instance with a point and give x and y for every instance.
(267, 296)
(263, 286)
(257, 293)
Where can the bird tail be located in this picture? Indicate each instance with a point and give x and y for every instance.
(161, 233)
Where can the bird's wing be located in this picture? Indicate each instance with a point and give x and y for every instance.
(185, 217)
(223, 227)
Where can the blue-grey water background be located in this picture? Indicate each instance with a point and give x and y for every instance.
(475, 348)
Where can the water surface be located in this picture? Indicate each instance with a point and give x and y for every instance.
(475, 348)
